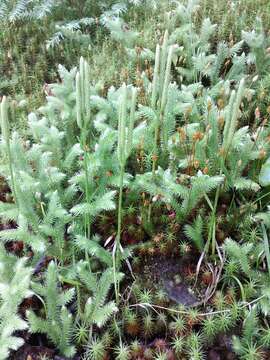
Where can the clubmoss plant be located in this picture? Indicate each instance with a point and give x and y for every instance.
(124, 146)
(14, 288)
(6, 137)
(58, 321)
(160, 85)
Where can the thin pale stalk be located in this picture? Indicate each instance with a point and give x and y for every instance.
(131, 122)
(5, 134)
(87, 91)
(79, 101)
(155, 78)
(118, 235)
(163, 60)
(266, 247)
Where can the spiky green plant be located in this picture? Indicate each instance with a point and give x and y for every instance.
(57, 323)
(248, 347)
(122, 352)
(6, 137)
(178, 325)
(97, 310)
(14, 288)
(195, 232)
(95, 350)
(178, 344)
(124, 147)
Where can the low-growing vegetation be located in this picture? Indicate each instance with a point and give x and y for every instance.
(135, 180)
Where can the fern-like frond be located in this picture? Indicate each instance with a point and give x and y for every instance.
(103, 203)
(93, 248)
(195, 232)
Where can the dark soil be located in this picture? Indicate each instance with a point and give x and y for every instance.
(171, 274)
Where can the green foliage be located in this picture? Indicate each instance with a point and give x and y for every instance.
(45, 188)
(57, 323)
(107, 13)
(264, 176)
(177, 151)
(97, 310)
(194, 346)
(178, 345)
(122, 352)
(182, 198)
(93, 248)
(24, 10)
(14, 288)
(240, 254)
(195, 232)
(248, 346)
(95, 350)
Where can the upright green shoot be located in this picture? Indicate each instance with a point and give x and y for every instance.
(83, 121)
(160, 86)
(124, 146)
(6, 138)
